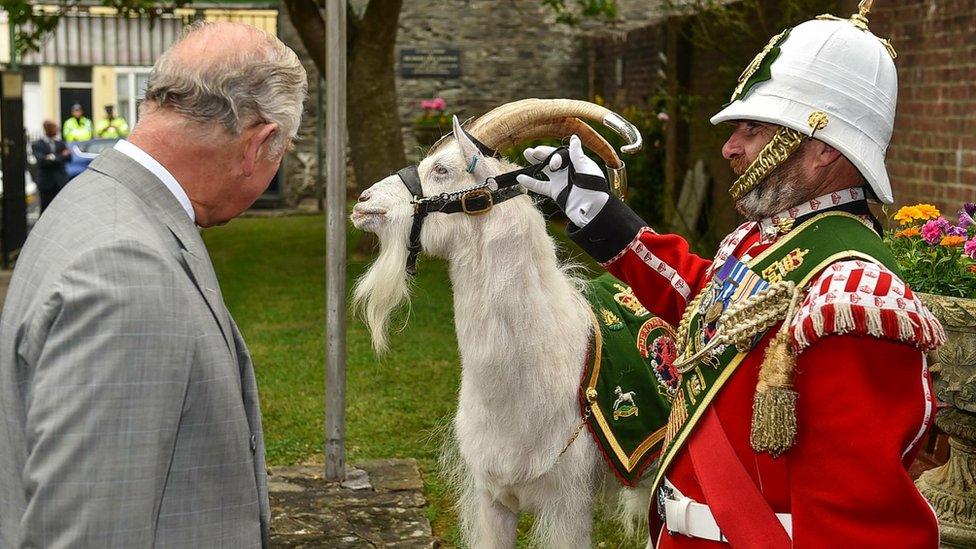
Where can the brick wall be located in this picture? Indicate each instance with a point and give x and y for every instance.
(932, 156)
(628, 67)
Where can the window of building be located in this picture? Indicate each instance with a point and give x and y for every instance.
(77, 75)
(31, 74)
(131, 88)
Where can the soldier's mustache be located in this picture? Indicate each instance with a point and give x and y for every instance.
(739, 165)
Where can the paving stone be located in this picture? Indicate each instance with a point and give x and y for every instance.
(380, 505)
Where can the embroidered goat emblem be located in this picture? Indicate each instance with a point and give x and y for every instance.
(624, 406)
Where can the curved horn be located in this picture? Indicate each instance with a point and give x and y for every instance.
(520, 121)
(592, 140)
(506, 123)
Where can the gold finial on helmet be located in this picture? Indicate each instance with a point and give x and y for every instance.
(860, 19)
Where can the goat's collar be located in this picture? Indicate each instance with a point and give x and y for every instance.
(477, 200)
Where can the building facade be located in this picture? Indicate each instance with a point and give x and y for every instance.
(96, 57)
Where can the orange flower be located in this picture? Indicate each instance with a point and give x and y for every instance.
(952, 241)
(928, 211)
(906, 233)
(908, 214)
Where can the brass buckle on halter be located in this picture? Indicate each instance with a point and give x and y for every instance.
(473, 195)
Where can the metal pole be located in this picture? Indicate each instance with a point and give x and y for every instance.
(335, 261)
(320, 160)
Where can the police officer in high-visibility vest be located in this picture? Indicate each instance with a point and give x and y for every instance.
(111, 127)
(77, 128)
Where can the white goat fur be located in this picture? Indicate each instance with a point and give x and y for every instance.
(523, 328)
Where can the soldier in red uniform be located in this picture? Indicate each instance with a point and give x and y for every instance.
(804, 391)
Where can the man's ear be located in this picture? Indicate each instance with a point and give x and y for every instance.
(823, 154)
(257, 145)
(474, 161)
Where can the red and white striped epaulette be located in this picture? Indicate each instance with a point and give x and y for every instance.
(863, 298)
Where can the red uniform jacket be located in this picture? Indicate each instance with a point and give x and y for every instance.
(864, 402)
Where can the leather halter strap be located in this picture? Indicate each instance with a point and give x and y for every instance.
(477, 200)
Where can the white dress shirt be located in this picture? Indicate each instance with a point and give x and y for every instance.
(157, 169)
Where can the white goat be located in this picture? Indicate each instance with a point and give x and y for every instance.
(523, 328)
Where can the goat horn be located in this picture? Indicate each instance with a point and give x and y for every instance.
(592, 140)
(520, 121)
(505, 123)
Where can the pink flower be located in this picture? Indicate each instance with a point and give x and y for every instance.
(436, 104)
(970, 248)
(932, 232)
(663, 116)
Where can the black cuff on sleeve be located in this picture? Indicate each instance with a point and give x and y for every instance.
(609, 232)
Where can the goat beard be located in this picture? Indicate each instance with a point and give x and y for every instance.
(384, 287)
(782, 189)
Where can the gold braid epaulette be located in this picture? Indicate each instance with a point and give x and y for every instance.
(780, 147)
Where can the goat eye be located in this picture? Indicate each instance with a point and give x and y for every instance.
(440, 170)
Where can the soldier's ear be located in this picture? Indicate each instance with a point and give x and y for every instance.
(822, 154)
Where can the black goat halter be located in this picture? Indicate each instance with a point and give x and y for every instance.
(476, 200)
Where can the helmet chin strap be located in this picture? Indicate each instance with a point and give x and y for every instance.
(784, 143)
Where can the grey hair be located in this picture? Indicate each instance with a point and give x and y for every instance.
(266, 83)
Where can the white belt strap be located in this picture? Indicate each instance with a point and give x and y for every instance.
(685, 516)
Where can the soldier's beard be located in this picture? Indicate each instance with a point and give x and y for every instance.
(782, 189)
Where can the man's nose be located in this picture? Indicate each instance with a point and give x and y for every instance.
(732, 148)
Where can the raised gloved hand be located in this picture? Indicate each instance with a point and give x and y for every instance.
(580, 188)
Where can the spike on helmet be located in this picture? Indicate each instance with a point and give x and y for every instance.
(831, 77)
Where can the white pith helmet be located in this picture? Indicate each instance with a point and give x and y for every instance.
(836, 67)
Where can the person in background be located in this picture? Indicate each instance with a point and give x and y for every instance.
(78, 127)
(51, 154)
(111, 127)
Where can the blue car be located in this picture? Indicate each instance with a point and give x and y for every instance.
(83, 152)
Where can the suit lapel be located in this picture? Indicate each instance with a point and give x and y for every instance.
(203, 275)
(141, 182)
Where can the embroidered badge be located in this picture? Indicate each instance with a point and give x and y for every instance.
(624, 406)
(696, 385)
(759, 69)
(656, 341)
(791, 262)
(664, 354)
(611, 320)
(626, 298)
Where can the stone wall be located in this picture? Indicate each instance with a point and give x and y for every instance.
(300, 164)
(510, 50)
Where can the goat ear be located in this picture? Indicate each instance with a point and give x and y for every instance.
(473, 159)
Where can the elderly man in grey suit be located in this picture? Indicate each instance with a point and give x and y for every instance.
(128, 406)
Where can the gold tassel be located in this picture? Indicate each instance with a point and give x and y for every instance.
(774, 406)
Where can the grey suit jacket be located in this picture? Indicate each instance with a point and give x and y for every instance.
(128, 406)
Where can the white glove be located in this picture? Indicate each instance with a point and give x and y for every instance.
(580, 189)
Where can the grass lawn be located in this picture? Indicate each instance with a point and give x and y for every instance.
(272, 273)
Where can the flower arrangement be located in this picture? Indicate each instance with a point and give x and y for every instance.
(936, 256)
(433, 116)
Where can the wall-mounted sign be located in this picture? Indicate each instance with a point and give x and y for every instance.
(430, 63)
